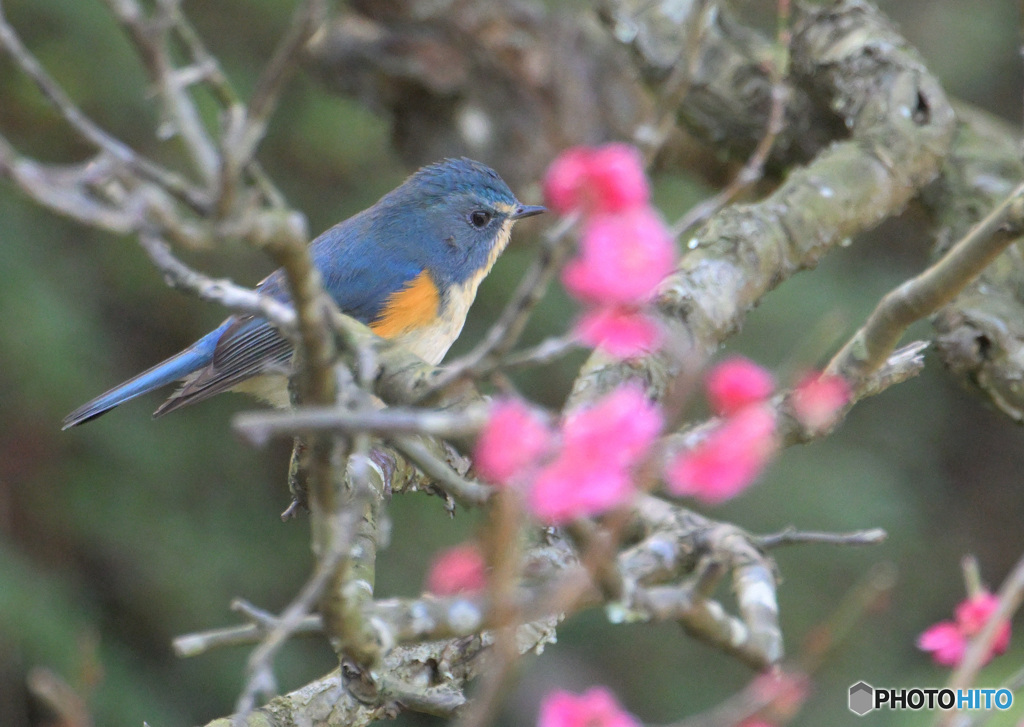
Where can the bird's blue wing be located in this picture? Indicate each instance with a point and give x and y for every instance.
(362, 277)
(359, 278)
(248, 347)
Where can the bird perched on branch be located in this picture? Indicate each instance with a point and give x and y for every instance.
(408, 267)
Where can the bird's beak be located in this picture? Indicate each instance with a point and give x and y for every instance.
(527, 210)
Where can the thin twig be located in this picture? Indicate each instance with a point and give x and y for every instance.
(1010, 596)
(259, 667)
(53, 690)
(504, 555)
(283, 235)
(260, 426)
(549, 350)
(674, 90)
(232, 296)
(71, 190)
(219, 84)
(927, 292)
(174, 183)
(305, 20)
(466, 492)
(788, 687)
(904, 364)
(977, 718)
(792, 536)
(351, 588)
(183, 119)
(245, 128)
(201, 642)
(753, 170)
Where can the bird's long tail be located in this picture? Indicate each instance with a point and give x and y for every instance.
(176, 367)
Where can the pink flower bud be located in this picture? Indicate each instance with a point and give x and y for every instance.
(618, 331)
(570, 488)
(618, 178)
(513, 441)
(728, 460)
(617, 430)
(947, 640)
(622, 259)
(818, 399)
(567, 179)
(601, 445)
(597, 180)
(737, 382)
(596, 707)
(460, 569)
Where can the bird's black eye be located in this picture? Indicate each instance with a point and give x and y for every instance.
(480, 219)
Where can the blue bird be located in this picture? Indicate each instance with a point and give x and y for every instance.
(408, 267)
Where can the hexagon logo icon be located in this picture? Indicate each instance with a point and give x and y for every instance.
(862, 698)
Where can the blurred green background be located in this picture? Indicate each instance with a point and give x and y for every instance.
(118, 536)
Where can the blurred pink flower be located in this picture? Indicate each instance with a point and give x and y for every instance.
(735, 383)
(973, 613)
(728, 459)
(596, 180)
(460, 569)
(817, 399)
(513, 440)
(947, 640)
(571, 488)
(946, 643)
(783, 693)
(623, 257)
(566, 179)
(620, 332)
(616, 431)
(601, 445)
(597, 707)
(618, 177)
(625, 249)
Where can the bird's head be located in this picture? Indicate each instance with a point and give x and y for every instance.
(459, 214)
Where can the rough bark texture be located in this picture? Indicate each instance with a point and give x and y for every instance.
(980, 336)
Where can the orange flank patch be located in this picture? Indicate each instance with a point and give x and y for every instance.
(414, 306)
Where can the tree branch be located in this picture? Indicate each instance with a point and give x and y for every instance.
(925, 293)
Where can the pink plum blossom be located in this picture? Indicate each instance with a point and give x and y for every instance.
(817, 399)
(736, 383)
(973, 613)
(572, 487)
(460, 569)
(617, 430)
(596, 180)
(623, 257)
(728, 459)
(593, 471)
(618, 178)
(625, 249)
(947, 640)
(597, 707)
(619, 331)
(513, 440)
(566, 179)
